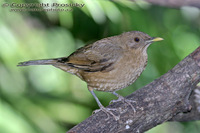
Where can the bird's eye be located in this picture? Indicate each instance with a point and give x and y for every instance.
(136, 39)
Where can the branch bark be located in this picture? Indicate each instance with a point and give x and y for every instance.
(169, 98)
(194, 113)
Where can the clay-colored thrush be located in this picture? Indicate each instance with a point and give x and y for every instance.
(109, 64)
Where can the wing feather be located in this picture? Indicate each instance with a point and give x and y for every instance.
(99, 56)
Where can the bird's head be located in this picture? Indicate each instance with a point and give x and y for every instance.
(138, 40)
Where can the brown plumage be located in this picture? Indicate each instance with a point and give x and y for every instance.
(109, 64)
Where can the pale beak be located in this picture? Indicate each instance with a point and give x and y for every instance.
(154, 39)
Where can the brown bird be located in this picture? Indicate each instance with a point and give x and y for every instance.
(109, 64)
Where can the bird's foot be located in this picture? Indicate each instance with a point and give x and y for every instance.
(124, 100)
(108, 112)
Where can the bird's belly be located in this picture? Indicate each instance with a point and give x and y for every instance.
(113, 80)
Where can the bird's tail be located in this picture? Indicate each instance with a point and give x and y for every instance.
(42, 62)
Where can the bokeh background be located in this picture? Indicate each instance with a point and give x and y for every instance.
(44, 99)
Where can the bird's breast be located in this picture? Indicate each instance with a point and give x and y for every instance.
(125, 72)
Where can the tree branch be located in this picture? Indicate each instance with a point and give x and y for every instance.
(194, 114)
(168, 98)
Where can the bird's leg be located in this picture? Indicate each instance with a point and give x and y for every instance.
(106, 110)
(121, 98)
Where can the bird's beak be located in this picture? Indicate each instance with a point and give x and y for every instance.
(154, 39)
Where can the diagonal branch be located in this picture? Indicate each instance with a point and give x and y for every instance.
(166, 98)
(194, 114)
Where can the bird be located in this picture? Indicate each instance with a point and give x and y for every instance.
(107, 65)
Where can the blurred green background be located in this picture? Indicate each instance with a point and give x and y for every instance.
(44, 99)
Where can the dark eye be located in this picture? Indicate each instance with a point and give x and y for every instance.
(136, 39)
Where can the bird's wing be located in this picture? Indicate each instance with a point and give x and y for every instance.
(95, 57)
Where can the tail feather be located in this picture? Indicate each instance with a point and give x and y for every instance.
(39, 62)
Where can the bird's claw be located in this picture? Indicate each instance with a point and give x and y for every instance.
(107, 111)
(124, 100)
